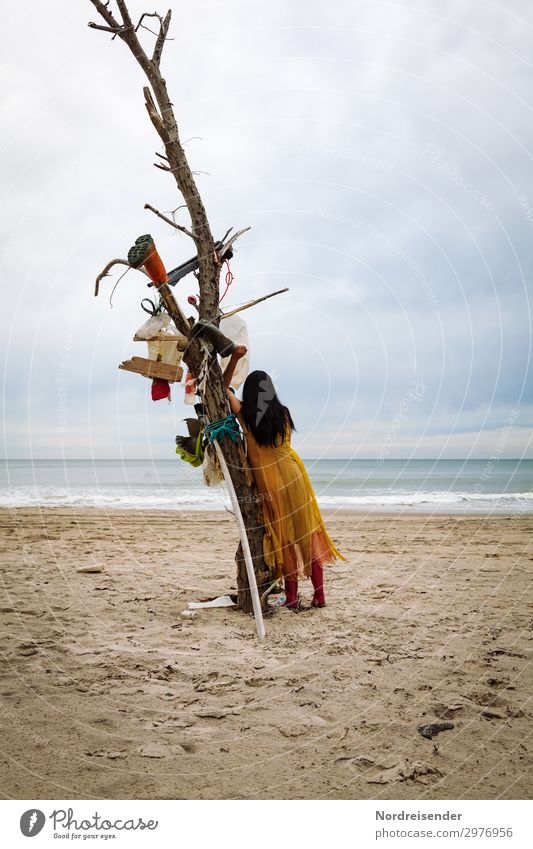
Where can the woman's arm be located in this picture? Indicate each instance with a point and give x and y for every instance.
(234, 403)
(238, 353)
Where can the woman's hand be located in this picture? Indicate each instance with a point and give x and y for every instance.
(237, 354)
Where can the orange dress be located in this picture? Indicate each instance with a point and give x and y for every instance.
(295, 533)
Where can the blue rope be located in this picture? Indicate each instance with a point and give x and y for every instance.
(223, 427)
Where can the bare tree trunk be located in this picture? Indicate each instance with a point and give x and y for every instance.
(215, 399)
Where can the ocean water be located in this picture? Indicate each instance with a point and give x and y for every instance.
(456, 486)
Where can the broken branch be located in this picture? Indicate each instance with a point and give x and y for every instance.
(161, 38)
(223, 250)
(155, 117)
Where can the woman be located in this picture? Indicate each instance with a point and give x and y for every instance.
(296, 542)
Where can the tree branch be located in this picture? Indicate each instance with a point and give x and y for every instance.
(114, 30)
(123, 9)
(108, 16)
(169, 221)
(252, 304)
(226, 247)
(149, 15)
(161, 38)
(107, 269)
(164, 121)
(154, 115)
(214, 397)
(170, 303)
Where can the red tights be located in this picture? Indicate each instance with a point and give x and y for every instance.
(317, 579)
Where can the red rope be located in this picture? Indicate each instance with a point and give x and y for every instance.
(228, 280)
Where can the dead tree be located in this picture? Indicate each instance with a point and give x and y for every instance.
(161, 113)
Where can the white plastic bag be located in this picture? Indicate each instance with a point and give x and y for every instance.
(235, 329)
(212, 473)
(160, 349)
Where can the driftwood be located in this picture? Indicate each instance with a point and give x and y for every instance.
(153, 369)
(161, 113)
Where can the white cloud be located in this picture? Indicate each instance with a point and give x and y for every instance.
(315, 125)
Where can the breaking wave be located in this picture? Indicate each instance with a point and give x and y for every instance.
(170, 498)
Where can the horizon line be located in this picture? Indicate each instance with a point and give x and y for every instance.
(330, 459)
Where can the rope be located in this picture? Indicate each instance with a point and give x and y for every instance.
(228, 280)
(203, 373)
(116, 284)
(223, 427)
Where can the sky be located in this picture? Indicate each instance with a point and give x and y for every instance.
(381, 152)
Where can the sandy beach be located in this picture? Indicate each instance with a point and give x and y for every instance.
(106, 692)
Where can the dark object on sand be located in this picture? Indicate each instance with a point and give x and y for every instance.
(430, 731)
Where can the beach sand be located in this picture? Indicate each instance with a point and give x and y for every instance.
(106, 692)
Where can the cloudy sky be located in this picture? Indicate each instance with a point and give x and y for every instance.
(382, 154)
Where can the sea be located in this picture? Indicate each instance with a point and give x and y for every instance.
(441, 486)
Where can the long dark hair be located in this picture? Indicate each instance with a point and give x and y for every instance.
(263, 413)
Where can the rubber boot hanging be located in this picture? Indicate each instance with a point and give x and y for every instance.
(194, 426)
(144, 253)
(191, 447)
(220, 343)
